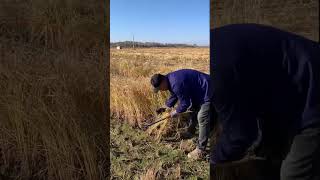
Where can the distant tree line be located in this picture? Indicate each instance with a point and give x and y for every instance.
(129, 44)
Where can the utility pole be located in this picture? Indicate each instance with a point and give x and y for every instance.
(133, 41)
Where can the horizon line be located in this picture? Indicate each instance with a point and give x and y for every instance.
(197, 44)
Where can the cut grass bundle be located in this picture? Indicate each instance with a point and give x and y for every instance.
(161, 128)
(169, 127)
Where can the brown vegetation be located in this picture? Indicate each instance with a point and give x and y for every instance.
(52, 73)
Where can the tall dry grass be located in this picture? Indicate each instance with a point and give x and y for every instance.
(52, 74)
(131, 94)
(71, 25)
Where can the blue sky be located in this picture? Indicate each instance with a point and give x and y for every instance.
(164, 21)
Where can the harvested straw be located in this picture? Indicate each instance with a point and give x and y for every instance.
(168, 127)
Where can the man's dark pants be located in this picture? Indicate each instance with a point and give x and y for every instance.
(303, 159)
(201, 117)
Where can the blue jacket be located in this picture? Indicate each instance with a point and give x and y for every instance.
(265, 73)
(190, 87)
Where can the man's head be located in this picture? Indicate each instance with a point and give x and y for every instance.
(159, 82)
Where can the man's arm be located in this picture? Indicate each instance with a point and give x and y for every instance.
(240, 130)
(172, 100)
(230, 96)
(184, 99)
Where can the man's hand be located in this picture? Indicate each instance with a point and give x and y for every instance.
(161, 110)
(174, 114)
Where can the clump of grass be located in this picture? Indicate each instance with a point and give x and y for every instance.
(187, 145)
(151, 174)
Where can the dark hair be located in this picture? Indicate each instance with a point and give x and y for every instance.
(156, 79)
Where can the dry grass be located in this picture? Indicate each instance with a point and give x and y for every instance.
(151, 174)
(51, 90)
(132, 98)
(168, 128)
(71, 25)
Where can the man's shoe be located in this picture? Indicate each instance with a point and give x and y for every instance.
(197, 154)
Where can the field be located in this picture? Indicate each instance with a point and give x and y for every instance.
(134, 153)
(52, 74)
(130, 71)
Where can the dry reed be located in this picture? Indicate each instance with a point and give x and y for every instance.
(51, 90)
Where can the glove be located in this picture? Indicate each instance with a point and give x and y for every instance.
(161, 110)
(174, 114)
